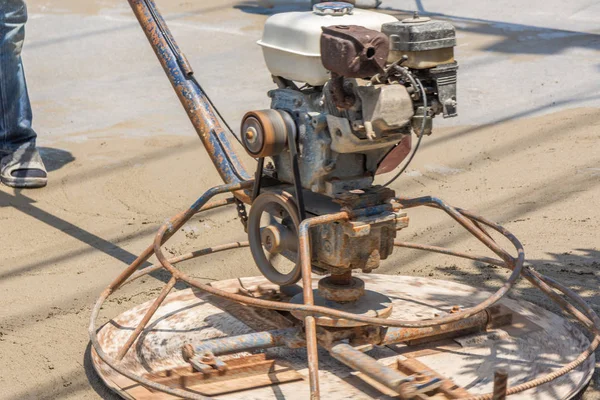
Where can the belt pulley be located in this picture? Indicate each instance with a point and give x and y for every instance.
(265, 132)
(274, 242)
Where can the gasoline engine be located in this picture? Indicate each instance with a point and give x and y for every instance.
(353, 85)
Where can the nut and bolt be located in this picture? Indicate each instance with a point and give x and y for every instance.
(421, 378)
(500, 384)
(187, 352)
(208, 357)
(251, 134)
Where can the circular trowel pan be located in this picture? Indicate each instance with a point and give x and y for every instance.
(536, 343)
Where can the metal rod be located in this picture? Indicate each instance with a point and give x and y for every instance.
(140, 327)
(251, 341)
(443, 250)
(187, 256)
(193, 99)
(544, 284)
(385, 375)
(399, 335)
(312, 351)
(310, 327)
(258, 178)
(173, 225)
(326, 311)
(467, 223)
(297, 178)
(179, 220)
(541, 282)
(500, 384)
(149, 251)
(169, 229)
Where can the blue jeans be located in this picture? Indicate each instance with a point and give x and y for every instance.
(15, 109)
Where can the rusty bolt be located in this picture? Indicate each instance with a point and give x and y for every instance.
(500, 384)
(251, 134)
(268, 243)
(208, 357)
(271, 239)
(187, 352)
(406, 390)
(421, 377)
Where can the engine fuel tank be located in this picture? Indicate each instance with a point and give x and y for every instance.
(291, 41)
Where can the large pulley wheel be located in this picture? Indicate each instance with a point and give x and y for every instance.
(273, 235)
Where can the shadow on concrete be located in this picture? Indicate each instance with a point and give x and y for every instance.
(578, 272)
(263, 7)
(26, 205)
(94, 379)
(55, 159)
(570, 102)
(70, 384)
(517, 38)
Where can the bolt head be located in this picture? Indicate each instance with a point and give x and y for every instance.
(271, 239)
(251, 134)
(207, 357)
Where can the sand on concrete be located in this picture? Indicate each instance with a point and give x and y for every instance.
(123, 158)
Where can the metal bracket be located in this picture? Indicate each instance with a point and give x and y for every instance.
(234, 375)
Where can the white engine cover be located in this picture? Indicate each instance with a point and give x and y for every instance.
(291, 41)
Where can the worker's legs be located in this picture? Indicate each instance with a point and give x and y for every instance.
(15, 110)
(21, 164)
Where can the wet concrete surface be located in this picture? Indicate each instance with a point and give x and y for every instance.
(90, 69)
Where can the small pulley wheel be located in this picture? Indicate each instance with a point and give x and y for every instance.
(265, 132)
(273, 235)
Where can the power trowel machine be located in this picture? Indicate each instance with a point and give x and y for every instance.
(355, 92)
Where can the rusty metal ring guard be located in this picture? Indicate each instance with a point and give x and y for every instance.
(473, 223)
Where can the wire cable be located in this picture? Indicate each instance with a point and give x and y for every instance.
(422, 133)
(215, 109)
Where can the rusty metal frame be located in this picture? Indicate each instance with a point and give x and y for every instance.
(399, 330)
(202, 114)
